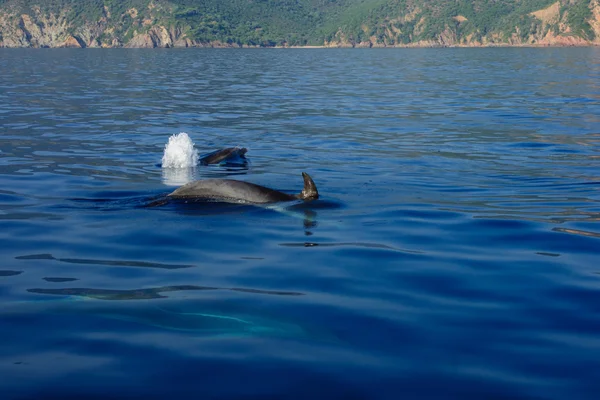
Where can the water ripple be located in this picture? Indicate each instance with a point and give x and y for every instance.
(112, 263)
(144, 294)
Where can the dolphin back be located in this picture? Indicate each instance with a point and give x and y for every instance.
(234, 191)
(224, 155)
(229, 190)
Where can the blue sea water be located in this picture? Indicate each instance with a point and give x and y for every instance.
(454, 252)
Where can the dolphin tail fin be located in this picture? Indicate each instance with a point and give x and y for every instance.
(310, 189)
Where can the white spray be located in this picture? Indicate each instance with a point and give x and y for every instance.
(179, 160)
(180, 152)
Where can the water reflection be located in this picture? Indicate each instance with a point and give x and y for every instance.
(297, 209)
(310, 222)
(181, 176)
(577, 232)
(178, 176)
(351, 244)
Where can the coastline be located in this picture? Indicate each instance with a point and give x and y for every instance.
(343, 46)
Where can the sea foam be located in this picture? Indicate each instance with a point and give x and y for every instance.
(180, 152)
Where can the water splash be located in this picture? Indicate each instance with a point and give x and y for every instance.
(180, 152)
(179, 160)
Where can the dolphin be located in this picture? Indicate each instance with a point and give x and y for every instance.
(226, 154)
(233, 191)
(193, 315)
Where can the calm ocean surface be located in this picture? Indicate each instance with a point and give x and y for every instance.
(454, 253)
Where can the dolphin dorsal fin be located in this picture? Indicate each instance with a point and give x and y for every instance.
(310, 189)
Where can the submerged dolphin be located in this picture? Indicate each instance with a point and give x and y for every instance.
(226, 154)
(232, 191)
(194, 316)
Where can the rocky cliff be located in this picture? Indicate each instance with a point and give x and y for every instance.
(134, 28)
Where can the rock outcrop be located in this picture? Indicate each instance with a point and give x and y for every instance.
(38, 28)
(72, 42)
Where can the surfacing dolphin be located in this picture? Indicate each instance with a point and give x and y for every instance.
(233, 191)
(228, 154)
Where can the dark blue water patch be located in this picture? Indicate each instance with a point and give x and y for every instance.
(543, 253)
(451, 287)
(13, 199)
(202, 206)
(532, 145)
(23, 215)
(112, 201)
(107, 195)
(322, 203)
(36, 257)
(321, 280)
(576, 291)
(207, 377)
(580, 100)
(56, 279)
(8, 272)
(542, 237)
(498, 226)
(566, 151)
(416, 212)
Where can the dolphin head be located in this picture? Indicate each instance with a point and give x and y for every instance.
(310, 189)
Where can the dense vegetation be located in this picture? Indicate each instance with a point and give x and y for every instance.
(428, 19)
(315, 22)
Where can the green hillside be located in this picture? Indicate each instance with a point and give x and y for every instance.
(416, 20)
(299, 22)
